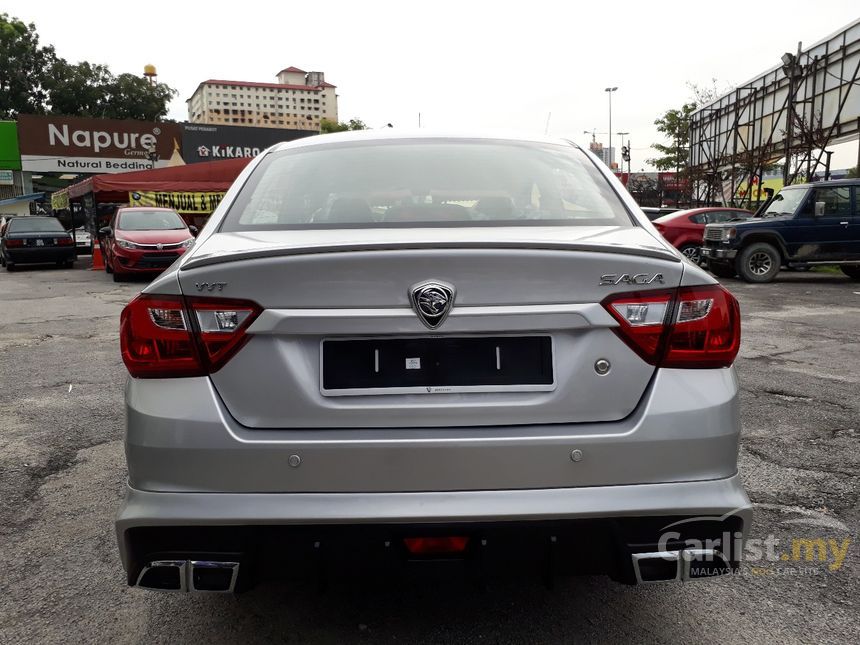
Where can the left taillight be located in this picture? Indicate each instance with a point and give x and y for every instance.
(65, 241)
(691, 327)
(172, 336)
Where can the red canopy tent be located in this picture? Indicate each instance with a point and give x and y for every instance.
(209, 176)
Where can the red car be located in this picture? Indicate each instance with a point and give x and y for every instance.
(684, 229)
(144, 240)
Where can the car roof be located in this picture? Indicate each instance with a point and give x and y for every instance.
(391, 134)
(830, 182)
(145, 208)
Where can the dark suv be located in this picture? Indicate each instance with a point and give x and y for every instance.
(803, 225)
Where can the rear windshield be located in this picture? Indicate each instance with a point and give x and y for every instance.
(149, 221)
(35, 225)
(425, 183)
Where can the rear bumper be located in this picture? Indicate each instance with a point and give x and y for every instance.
(595, 530)
(202, 486)
(38, 255)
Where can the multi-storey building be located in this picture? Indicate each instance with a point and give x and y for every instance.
(299, 100)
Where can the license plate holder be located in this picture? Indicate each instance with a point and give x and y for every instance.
(436, 365)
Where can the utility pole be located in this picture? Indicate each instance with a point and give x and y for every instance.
(610, 90)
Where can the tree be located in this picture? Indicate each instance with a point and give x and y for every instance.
(33, 80)
(675, 124)
(133, 97)
(77, 90)
(23, 65)
(84, 89)
(853, 172)
(327, 125)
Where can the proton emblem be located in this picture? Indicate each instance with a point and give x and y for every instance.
(432, 301)
(159, 246)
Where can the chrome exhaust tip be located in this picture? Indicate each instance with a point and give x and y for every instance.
(686, 564)
(200, 576)
(164, 575)
(211, 576)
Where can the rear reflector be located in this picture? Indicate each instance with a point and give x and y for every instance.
(431, 545)
(159, 337)
(697, 327)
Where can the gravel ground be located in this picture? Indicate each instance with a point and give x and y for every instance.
(62, 471)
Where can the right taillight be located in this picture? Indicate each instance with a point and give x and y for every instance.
(172, 336)
(691, 327)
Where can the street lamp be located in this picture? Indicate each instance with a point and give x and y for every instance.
(610, 90)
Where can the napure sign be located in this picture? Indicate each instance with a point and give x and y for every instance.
(186, 203)
(82, 145)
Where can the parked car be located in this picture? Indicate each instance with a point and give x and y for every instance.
(144, 240)
(685, 229)
(390, 347)
(803, 225)
(653, 212)
(35, 240)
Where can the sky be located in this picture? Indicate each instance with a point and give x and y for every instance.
(531, 66)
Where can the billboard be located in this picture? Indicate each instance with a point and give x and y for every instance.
(83, 145)
(10, 158)
(204, 142)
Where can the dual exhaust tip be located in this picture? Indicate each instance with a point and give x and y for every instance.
(207, 576)
(686, 564)
(216, 576)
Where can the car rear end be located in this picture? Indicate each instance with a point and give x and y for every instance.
(37, 240)
(317, 389)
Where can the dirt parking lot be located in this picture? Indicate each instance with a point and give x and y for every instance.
(62, 472)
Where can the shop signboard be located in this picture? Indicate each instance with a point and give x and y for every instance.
(204, 142)
(83, 145)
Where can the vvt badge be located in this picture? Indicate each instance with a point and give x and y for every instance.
(432, 301)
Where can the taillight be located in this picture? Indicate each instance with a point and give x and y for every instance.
(14, 244)
(172, 336)
(696, 327)
(65, 241)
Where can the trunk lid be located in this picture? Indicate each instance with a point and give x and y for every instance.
(538, 282)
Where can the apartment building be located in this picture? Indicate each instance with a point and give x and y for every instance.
(299, 100)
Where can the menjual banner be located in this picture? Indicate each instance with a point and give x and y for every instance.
(187, 203)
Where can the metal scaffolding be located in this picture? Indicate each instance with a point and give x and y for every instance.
(792, 112)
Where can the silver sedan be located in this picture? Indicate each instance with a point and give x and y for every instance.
(387, 349)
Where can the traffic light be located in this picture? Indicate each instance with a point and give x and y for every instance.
(625, 153)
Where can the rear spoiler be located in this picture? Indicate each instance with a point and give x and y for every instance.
(269, 252)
